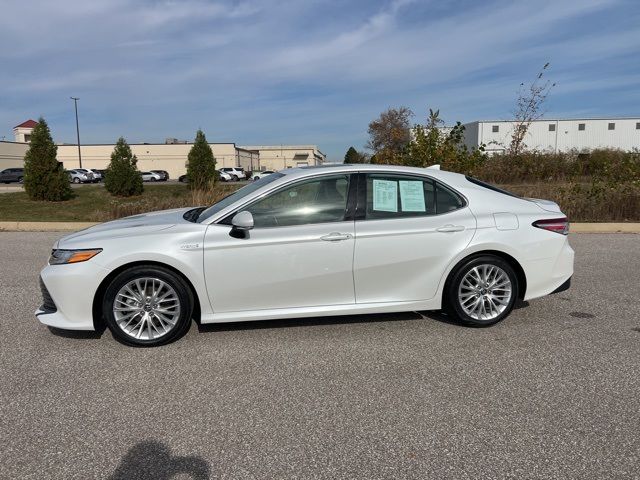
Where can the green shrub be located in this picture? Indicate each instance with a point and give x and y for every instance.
(44, 177)
(122, 177)
(201, 164)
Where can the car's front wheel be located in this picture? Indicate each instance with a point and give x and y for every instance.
(147, 306)
(481, 291)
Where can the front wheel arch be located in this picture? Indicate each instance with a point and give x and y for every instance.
(96, 308)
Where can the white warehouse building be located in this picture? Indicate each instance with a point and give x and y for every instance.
(559, 135)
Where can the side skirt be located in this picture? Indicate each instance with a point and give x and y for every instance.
(322, 311)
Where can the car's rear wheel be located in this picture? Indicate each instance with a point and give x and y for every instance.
(147, 306)
(481, 291)
(235, 178)
(76, 180)
(20, 180)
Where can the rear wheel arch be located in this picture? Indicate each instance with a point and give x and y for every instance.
(98, 321)
(517, 268)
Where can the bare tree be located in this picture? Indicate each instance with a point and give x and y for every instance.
(389, 135)
(529, 105)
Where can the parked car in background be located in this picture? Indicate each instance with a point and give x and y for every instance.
(80, 175)
(97, 175)
(150, 177)
(183, 178)
(88, 172)
(224, 176)
(9, 175)
(338, 240)
(261, 174)
(164, 175)
(236, 173)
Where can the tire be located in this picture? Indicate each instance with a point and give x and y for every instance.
(152, 179)
(471, 295)
(158, 329)
(76, 180)
(20, 180)
(234, 178)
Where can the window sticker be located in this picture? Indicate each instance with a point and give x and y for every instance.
(412, 196)
(385, 195)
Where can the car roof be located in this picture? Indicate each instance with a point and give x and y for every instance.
(448, 177)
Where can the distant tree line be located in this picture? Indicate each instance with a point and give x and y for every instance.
(393, 140)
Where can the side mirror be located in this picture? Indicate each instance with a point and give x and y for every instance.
(242, 221)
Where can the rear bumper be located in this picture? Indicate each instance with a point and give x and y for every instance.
(565, 286)
(549, 275)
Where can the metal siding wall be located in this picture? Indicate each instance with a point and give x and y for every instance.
(566, 137)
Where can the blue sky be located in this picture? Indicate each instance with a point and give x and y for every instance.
(305, 71)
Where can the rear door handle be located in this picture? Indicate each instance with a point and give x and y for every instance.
(335, 237)
(450, 228)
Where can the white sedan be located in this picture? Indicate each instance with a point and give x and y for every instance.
(344, 239)
(150, 177)
(261, 174)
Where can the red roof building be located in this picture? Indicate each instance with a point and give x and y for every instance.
(28, 124)
(22, 132)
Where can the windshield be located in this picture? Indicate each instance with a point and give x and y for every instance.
(237, 195)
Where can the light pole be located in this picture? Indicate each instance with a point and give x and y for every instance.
(75, 102)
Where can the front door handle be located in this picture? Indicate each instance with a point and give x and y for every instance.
(335, 237)
(450, 228)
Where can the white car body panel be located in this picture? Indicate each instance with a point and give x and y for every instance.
(389, 265)
(294, 260)
(150, 176)
(403, 259)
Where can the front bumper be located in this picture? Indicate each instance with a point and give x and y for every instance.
(68, 292)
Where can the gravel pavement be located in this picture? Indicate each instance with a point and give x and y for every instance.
(551, 392)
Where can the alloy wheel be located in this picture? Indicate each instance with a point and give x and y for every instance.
(146, 308)
(485, 292)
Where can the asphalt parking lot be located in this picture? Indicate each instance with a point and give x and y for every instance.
(552, 392)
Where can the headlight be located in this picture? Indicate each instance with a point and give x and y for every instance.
(60, 257)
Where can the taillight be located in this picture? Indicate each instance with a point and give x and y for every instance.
(558, 225)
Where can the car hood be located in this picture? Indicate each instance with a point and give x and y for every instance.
(124, 227)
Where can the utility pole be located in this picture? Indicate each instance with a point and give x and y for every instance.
(75, 102)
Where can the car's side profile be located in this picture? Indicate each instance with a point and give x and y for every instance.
(337, 240)
(236, 173)
(80, 175)
(164, 175)
(9, 175)
(150, 177)
(261, 174)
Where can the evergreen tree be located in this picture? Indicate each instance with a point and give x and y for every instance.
(351, 156)
(354, 156)
(122, 176)
(44, 177)
(201, 164)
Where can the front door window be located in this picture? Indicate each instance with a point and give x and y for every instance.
(318, 200)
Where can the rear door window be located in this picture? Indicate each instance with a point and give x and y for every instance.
(401, 196)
